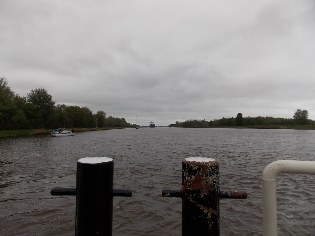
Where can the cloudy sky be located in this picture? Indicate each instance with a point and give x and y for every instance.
(164, 61)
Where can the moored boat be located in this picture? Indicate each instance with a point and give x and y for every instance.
(60, 132)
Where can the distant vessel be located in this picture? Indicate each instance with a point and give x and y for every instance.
(152, 125)
(137, 126)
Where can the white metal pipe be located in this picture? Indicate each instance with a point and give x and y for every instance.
(269, 189)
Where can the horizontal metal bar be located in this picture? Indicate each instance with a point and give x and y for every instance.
(122, 193)
(59, 191)
(233, 195)
(172, 193)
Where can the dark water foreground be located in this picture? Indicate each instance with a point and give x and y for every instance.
(147, 161)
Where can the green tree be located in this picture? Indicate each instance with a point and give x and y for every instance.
(42, 106)
(78, 117)
(20, 118)
(239, 119)
(301, 117)
(59, 118)
(7, 106)
(87, 119)
(100, 119)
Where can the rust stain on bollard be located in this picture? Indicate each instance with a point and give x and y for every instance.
(200, 189)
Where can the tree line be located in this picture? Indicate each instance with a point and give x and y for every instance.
(38, 110)
(300, 117)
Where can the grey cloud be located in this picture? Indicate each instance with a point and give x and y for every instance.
(163, 61)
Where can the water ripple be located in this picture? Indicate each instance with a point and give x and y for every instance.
(147, 161)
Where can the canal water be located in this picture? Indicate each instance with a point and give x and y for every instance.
(147, 161)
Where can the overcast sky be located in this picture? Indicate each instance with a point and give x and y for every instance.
(163, 61)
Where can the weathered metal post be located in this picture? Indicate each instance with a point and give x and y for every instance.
(94, 202)
(200, 189)
(201, 195)
(94, 196)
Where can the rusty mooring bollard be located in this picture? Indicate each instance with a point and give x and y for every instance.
(200, 196)
(200, 199)
(94, 196)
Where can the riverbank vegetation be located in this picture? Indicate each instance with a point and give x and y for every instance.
(37, 113)
(299, 121)
(34, 132)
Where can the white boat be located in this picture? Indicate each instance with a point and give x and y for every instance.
(61, 132)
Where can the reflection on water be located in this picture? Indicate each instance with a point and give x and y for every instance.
(147, 161)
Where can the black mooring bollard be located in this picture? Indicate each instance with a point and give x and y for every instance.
(94, 196)
(94, 202)
(200, 188)
(200, 196)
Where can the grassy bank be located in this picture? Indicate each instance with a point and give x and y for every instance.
(299, 127)
(23, 132)
(33, 132)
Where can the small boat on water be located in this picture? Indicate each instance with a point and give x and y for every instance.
(61, 132)
(152, 125)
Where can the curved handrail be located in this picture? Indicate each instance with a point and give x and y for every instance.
(269, 189)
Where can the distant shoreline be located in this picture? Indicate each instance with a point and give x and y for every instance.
(297, 127)
(18, 133)
(36, 132)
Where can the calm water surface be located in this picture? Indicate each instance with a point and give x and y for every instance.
(147, 161)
